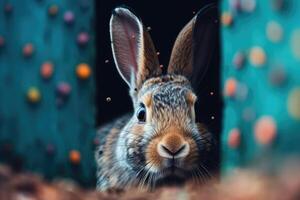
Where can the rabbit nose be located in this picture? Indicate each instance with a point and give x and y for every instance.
(173, 147)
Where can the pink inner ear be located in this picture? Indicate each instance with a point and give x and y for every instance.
(126, 39)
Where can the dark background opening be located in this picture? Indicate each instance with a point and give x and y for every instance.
(166, 19)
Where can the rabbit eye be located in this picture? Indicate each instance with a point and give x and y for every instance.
(141, 113)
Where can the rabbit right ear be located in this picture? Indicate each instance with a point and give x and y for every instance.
(195, 45)
(132, 47)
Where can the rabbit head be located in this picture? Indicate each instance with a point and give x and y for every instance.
(162, 141)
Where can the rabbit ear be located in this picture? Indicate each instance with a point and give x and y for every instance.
(132, 47)
(195, 45)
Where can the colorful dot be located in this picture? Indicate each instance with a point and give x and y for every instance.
(230, 87)
(226, 19)
(83, 38)
(274, 31)
(277, 76)
(2, 41)
(46, 70)
(293, 103)
(8, 8)
(63, 89)
(28, 50)
(257, 56)
(238, 59)
(75, 157)
(53, 10)
(248, 5)
(69, 17)
(83, 71)
(33, 95)
(277, 4)
(50, 149)
(265, 130)
(295, 43)
(234, 138)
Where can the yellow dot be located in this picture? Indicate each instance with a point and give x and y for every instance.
(295, 43)
(293, 103)
(257, 56)
(83, 71)
(75, 157)
(226, 19)
(33, 95)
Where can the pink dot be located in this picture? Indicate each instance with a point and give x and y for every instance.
(69, 17)
(83, 38)
(64, 88)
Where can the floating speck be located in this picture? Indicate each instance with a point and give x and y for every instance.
(106, 61)
(108, 99)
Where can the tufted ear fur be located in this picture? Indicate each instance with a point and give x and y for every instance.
(132, 47)
(195, 45)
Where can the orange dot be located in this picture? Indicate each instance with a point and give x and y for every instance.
(265, 130)
(47, 70)
(230, 87)
(234, 138)
(53, 10)
(226, 19)
(257, 56)
(75, 157)
(83, 71)
(28, 50)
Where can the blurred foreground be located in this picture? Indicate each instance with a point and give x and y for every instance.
(241, 185)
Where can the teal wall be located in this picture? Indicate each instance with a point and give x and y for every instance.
(260, 81)
(40, 133)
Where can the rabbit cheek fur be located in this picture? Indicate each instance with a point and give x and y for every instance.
(129, 156)
(164, 144)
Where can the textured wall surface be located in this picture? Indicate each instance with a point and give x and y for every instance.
(261, 81)
(46, 87)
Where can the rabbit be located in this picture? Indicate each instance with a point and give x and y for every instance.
(160, 143)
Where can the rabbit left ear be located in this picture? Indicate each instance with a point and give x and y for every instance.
(195, 45)
(133, 50)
